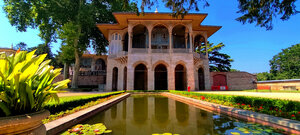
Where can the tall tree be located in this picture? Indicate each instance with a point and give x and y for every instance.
(72, 20)
(260, 12)
(218, 61)
(286, 64)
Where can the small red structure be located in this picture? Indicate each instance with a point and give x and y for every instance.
(219, 87)
(189, 88)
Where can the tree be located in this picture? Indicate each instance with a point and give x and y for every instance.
(286, 64)
(264, 76)
(218, 61)
(22, 46)
(260, 12)
(72, 20)
(66, 57)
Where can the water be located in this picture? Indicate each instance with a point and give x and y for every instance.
(146, 115)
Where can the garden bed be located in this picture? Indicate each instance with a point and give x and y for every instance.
(69, 105)
(65, 122)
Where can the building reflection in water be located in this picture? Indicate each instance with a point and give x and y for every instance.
(113, 113)
(161, 109)
(204, 121)
(182, 112)
(140, 109)
(124, 109)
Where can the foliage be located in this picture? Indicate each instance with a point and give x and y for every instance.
(22, 46)
(264, 76)
(77, 105)
(26, 83)
(277, 107)
(251, 128)
(286, 64)
(95, 129)
(218, 61)
(165, 134)
(253, 11)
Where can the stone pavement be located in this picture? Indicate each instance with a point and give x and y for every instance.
(289, 96)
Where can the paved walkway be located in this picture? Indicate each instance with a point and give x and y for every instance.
(290, 96)
(66, 94)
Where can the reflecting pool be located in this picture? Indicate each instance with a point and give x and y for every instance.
(146, 115)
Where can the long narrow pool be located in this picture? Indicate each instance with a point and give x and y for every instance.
(146, 115)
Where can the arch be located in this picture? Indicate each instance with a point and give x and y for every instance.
(199, 41)
(219, 80)
(139, 62)
(125, 42)
(161, 77)
(179, 36)
(180, 77)
(125, 79)
(140, 77)
(201, 80)
(160, 62)
(140, 36)
(115, 79)
(100, 64)
(160, 37)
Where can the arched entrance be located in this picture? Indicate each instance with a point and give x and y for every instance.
(199, 44)
(179, 36)
(180, 77)
(115, 79)
(140, 77)
(161, 77)
(125, 79)
(100, 65)
(201, 79)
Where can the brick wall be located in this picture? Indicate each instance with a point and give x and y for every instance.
(279, 85)
(85, 80)
(237, 80)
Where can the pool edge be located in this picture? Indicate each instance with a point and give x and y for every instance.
(66, 122)
(290, 126)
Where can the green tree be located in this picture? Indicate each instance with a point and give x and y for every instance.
(65, 57)
(218, 61)
(264, 76)
(286, 64)
(22, 46)
(260, 12)
(73, 21)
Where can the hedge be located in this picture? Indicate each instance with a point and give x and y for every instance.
(67, 103)
(278, 107)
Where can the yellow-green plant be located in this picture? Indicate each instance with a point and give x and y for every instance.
(26, 83)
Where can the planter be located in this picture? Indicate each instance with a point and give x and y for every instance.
(24, 124)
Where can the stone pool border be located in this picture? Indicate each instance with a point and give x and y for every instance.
(290, 126)
(59, 125)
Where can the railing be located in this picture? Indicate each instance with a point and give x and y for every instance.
(197, 55)
(139, 50)
(180, 50)
(160, 50)
(119, 54)
(90, 73)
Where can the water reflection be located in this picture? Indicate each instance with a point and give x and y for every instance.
(124, 109)
(145, 115)
(182, 112)
(161, 109)
(114, 112)
(140, 109)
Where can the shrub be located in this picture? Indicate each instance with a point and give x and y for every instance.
(278, 107)
(26, 83)
(72, 102)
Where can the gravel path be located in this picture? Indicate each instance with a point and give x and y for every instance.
(289, 96)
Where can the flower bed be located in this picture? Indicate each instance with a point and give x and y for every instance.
(277, 107)
(67, 103)
(80, 107)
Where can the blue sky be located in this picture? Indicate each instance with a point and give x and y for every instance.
(251, 47)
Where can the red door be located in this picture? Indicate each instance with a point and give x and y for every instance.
(219, 80)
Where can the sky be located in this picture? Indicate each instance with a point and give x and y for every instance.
(251, 47)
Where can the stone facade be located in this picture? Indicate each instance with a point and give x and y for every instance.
(141, 44)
